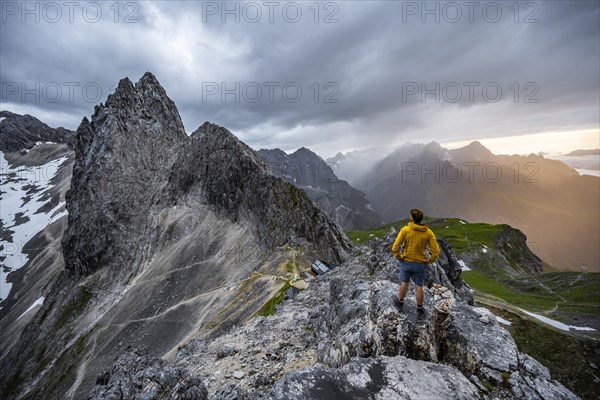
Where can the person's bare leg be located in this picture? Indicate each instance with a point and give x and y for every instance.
(403, 290)
(419, 295)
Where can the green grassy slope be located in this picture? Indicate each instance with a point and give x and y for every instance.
(567, 292)
(462, 236)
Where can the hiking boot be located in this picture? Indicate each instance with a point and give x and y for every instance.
(398, 303)
(421, 314)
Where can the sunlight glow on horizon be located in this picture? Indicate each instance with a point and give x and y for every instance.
(548, 142)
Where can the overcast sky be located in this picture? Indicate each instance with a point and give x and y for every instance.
(331, 76)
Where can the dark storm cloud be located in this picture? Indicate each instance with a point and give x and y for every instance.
(360, 77)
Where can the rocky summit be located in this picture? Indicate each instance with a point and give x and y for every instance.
(176, 256)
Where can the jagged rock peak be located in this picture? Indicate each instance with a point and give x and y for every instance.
(147, 96)
(304, 150)
(123, 158)
(475, 148)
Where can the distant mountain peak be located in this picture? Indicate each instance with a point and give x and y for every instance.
(584, 152)
(18, 132)
(434, 147)
(338, 157)
(304, 150)
(347, 206)
(476, 145)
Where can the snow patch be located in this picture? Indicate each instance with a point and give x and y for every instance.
(16, 183)
(484, 249)
(463, 265)
(592, 172)
(2, 118)
(462, 222)
(557, 324)
(38, 302)
(503, 321)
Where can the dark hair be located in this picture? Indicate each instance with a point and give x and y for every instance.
(417, 215)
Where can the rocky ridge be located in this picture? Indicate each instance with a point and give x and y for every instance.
(343, 336)
(510, 253)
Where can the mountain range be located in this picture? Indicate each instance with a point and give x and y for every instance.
(558, 209)
(347, 206)
(162, 282)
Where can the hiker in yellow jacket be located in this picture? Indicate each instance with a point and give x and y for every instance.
(414, 259)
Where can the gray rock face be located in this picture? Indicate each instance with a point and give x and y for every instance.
(123, 160)
(346, 205)
(376, 378)
(215, 165)
(18, 132)
(139, 376)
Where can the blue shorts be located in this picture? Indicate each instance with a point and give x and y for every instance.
(414, 269)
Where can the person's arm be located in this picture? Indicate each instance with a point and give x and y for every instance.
(398, 243)
(434, 249)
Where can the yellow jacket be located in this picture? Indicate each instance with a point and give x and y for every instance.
(415, 238)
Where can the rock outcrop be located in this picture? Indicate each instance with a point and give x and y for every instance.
(138, 375)
(347, 206)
